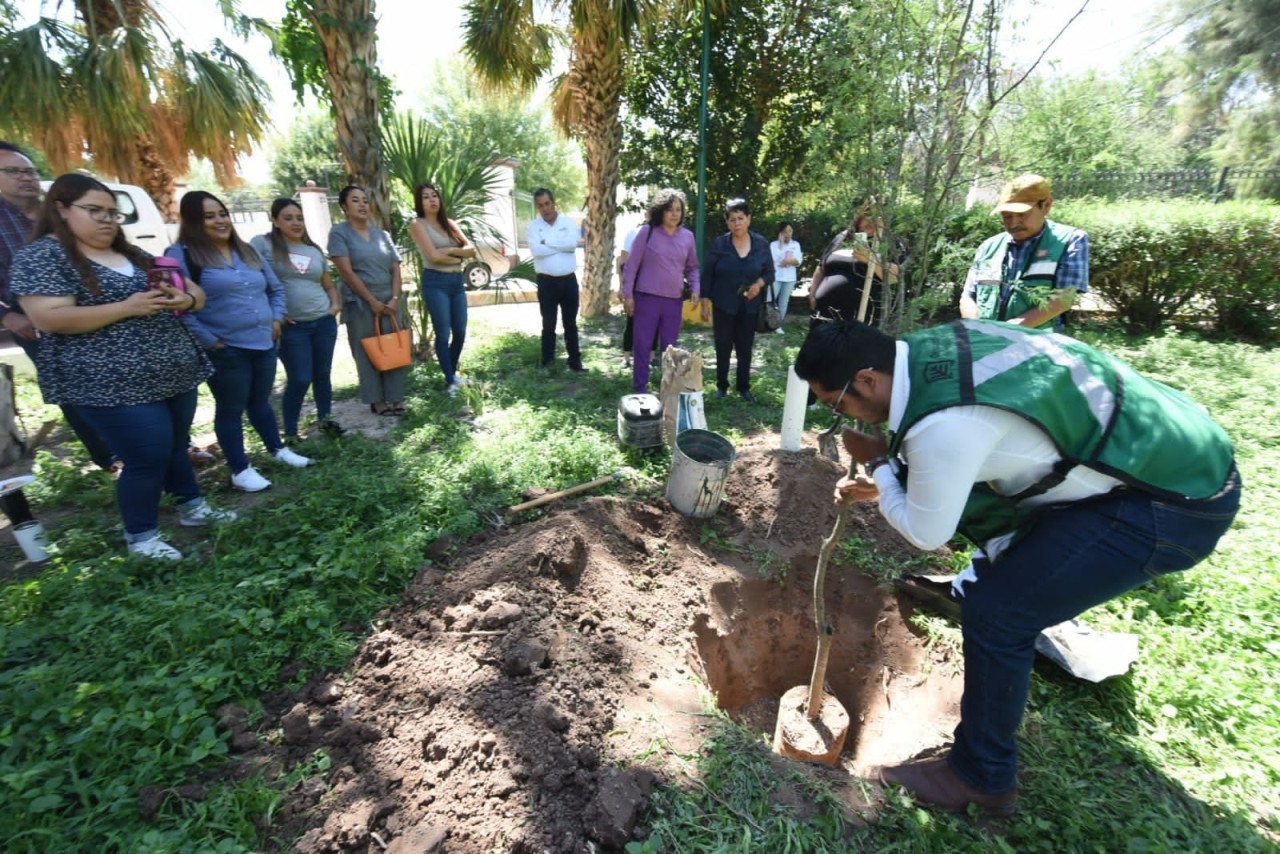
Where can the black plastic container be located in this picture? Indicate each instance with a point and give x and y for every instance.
(640, 420)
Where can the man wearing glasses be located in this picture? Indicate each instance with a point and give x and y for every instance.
(1029, 273)
(1077, 478)
(19, 201)
(19, 204)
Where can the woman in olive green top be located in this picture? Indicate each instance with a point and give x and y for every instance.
(369, 266)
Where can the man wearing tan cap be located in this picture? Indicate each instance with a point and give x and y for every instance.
(1029, 274)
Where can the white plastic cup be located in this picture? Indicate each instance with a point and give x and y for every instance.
(32, 539)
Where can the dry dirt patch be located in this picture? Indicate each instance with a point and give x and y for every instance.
(527, 698)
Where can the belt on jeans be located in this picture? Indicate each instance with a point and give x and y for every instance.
(551, 278)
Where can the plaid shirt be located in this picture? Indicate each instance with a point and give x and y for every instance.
(14, 229)
(1072, 272)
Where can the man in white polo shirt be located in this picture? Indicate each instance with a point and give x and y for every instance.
(554, 240)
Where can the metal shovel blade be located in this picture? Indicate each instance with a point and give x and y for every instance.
(829, 443)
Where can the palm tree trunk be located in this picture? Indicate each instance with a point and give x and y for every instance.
(603, 146)
(347, 33)
(156, 178)
(595, 73)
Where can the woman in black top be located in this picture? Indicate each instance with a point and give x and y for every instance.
(835, 292)
(737, 269)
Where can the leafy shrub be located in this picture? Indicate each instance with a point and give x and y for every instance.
(1155, 261)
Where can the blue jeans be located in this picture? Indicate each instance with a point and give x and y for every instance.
(446, 301)
(306, 349)
(97, 447)
(782, 292)
(1075, 557)
(241, 383)
(151, 439)
(559, 295)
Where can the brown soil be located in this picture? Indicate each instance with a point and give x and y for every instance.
(526, 698)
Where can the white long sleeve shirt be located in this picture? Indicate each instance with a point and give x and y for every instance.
(781, 272)
(553, 245)
(949, 451)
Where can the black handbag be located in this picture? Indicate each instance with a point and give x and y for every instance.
(770, 317)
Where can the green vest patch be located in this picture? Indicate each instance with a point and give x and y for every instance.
(1028, 287)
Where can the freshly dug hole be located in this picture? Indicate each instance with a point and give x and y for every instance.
(758, 640)
(516, 691)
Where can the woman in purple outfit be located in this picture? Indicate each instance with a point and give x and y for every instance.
(663, 256)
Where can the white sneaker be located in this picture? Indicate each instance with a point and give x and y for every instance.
(453, 389)
(155, 548)
(205, 515)
(288, 457)
(249, 480)
(461, 380)
(780, 331)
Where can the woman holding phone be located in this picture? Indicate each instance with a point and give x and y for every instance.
(113, 347)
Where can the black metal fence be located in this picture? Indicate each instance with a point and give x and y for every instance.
(1228, 182)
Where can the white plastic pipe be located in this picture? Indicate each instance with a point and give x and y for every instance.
(793, 411)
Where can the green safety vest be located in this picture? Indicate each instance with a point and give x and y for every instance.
(1098, 411)
(1028, 287)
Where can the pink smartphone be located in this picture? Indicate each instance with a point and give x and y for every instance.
(166, 271)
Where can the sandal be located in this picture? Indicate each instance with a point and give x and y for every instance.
(385, 410)
(396, 408)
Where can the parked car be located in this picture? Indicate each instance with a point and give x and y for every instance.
(494, 257)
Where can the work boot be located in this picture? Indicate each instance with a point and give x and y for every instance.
(933, 783)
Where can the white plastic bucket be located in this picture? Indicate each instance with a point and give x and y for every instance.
(700, 466)
(33, 540)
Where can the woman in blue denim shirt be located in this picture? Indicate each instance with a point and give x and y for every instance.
(443, 247)
(311, 321)
(238, 328)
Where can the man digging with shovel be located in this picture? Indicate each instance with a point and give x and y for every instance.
(1078, 478)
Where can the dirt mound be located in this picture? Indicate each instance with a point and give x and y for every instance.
(505, 703)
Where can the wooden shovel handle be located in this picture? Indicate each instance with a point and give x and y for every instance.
(572, 490)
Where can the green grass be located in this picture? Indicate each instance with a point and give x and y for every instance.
(114, 668)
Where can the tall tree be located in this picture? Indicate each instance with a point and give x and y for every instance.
(1231, 72)
(308, 151)
(114, 87)
(510, 44)
(1085, 123)
(764, 97)
(461, 110)
(331, 48)
(908, 114)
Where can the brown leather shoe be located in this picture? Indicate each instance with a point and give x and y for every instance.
(932, 782)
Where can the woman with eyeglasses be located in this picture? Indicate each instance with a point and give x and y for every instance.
(312, 306)
(239, 329)
(114, 347)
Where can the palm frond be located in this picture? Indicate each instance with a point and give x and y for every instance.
(463, 173)
(410, 153)
(220, 102)
(33, 95)
(505, 43)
